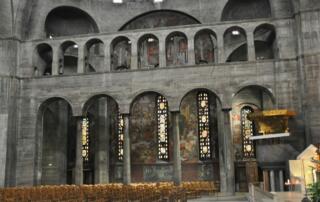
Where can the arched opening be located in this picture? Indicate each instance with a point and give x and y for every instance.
(177, 49)
(205, 44)
(235, 44)
(199, 136)
(68, 21)
(247, 9)
(68, 60)
(159, 18)
(121, 53)
(151, 144)
(56, 143)
(265, 42)
(42, 60)
(247, 100)
(94, 59)
(100, 150)
(148, 52)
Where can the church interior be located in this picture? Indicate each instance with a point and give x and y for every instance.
(163, 100)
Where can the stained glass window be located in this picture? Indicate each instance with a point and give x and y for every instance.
(120, 136)
(247, 132)
(85, 139)
(203, 124)
(162, 118)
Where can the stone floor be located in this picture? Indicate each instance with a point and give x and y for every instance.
(239, 197)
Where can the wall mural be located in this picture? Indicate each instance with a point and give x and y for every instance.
(143, 130)
(159, 19)
(189, 145)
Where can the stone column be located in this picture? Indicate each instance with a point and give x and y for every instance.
(101, 171)
(266, 181)
(281, 181)
(126, 151)
(220, 47)
(177, 176)
(78, 173)
(81, 58)
(56, 54)
(61, 146)
(272, 181)
(227, 177)
(251, 48)
(107, 56)
(162, 52)
(191, 56)
(134, 53)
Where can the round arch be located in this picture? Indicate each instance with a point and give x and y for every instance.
(257, 86)
(39, 135)
(215, 93)
(92, 41)
(148, 51)
(42, 59)
(142, 93)
(67, 21)
(205, 46)
(86, 105)
(249, 9)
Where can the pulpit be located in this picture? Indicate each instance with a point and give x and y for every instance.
(271, 123)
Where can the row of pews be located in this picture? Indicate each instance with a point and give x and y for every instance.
(136, 192)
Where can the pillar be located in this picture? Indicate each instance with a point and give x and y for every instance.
(61, 146)
(191, 56)
(55, 60)
(177, 176)
(162, 52)
(134, 54)
(220, 47)
(78, 173)
(227, 177)
(81, 58)
(266, 183)
(251, 48)
(101, 171)
(272, 181)
(126, 151)
(281, 181)
(107, 56)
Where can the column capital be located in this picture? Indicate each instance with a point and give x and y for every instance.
(226, 109)
(175, 111)
(125, 114)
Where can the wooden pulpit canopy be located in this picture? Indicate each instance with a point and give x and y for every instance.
(272, 122)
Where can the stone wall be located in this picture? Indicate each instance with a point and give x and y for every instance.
(292, 78)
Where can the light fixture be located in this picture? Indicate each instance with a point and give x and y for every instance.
(117, 1)
(75, 46)
(157, 1)
(150, 40)
(235, 32)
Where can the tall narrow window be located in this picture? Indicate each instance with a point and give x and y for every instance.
(162, 116)
(120, 136)
(203, 124)
(85, 139)
(247, 131)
